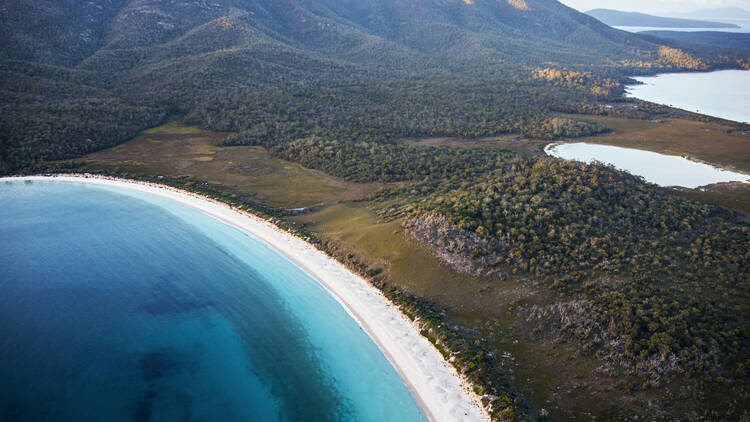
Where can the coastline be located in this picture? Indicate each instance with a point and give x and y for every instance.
(439, 390)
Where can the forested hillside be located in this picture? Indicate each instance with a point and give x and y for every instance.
(359, 68)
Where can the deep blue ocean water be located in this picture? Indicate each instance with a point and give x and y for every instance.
(123, 306)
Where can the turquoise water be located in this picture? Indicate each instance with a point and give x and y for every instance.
(123, 306)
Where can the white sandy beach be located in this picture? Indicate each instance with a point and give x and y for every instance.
(438, 388)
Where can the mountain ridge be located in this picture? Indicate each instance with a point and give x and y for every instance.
(619, 18)
(719, 13)
(324, 26)
(172, 56)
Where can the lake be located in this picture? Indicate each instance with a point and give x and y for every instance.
(663, 170)
(120, 305)
(724, 94)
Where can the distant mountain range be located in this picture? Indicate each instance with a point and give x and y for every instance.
(731, 13)
(619, 18)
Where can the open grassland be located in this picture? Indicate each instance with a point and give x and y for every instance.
(514, 142)
(732, 195)
(385, 246)
(174, 127)
(176, 150)
(712, 143)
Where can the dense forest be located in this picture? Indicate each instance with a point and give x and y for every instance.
(624, 245)
(294, 70)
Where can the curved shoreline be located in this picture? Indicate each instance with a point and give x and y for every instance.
(550, 150)
(439, 390)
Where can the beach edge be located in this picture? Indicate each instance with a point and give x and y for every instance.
(437, 387)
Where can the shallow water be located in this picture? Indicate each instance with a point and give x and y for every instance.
(123, 306)
(724, 94)
(663, 170)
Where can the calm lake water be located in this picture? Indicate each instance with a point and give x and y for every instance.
(724, 94)
(663, 170)
(123, 306)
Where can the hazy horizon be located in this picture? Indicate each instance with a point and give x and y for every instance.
(656, 6)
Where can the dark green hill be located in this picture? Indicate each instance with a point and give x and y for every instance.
(239, 64)
(65, 33)
(59, 32)
(174, 56)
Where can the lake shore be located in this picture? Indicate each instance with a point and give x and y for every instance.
(662, 169)
(440, 391)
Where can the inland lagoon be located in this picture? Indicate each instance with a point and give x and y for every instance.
(663, 170)
(120, 305)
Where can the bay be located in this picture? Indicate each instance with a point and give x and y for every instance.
(123, 306)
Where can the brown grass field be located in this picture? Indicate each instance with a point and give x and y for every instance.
(177, 150)
(514, 142)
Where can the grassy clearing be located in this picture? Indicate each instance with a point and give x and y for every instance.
(731, 195)
(385, 246)
(175, 150)
(513, 142)
(173, 127)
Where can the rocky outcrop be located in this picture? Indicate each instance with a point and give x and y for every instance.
(463, 250)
